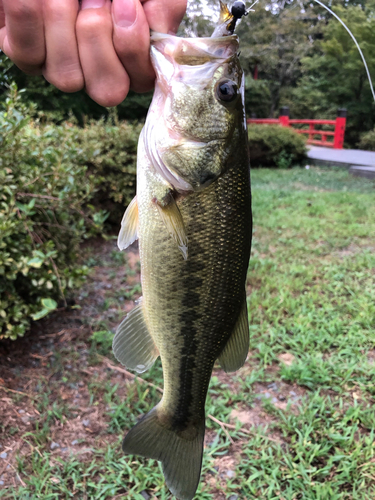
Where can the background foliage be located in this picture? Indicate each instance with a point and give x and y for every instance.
(53, 180)
(368, 141)
(108, 149)
(62, 154)
(304, 58)
(58, 185)
(275, 146)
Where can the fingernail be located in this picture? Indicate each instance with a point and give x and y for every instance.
(124, 12)
(92, 4)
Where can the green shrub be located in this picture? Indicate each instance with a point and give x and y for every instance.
(109, 150)
(275, 146)
(44, 215)
(367, 141)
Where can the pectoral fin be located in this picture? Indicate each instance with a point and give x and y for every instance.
(236, 349)
(129, 226)
(133, 345)
(172, 218)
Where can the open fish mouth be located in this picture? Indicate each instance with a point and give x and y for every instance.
(172, 55)
(194, 51)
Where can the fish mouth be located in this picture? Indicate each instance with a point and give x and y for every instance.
(199, 57)
(187, 141)
(195, 50)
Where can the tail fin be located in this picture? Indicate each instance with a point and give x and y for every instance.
(181, 458)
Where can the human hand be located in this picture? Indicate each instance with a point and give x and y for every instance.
(100, 45)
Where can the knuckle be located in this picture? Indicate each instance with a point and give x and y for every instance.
(27, 59)
(92, 23)
(142, 86)
(108, 97)
(67, 84)
(28, 62)
(54, 11)
(22, 11)
(29, 70)
(66, 81)
(135, 47)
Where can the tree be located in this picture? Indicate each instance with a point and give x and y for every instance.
(334, 76)
(274, 39)
(200, 18)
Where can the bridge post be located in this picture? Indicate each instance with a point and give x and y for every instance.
(338, 141)
(284, 116)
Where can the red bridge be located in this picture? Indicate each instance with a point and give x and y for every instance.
(337, 134)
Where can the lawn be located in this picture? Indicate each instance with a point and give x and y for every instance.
(296, 422)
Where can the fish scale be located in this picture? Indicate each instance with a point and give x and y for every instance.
(218, 258)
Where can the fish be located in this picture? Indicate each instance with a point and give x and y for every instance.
(192, 217)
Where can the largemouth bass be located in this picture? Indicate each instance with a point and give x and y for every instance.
(192, 216)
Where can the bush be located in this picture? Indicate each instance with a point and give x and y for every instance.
(367, 141)
(58, 105)
(58, 185)
(44, 215)
(109, 150)
(275, 146)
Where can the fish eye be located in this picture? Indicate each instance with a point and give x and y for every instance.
(226, 90)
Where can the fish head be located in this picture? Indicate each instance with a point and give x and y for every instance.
(197, 114)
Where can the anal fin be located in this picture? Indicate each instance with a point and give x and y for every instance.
(236, 349)
(172, 218)
(129, 226)
(133, 345)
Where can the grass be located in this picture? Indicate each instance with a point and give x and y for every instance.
(302, 406)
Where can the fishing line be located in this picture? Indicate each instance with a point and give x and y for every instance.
(354, 40)
(252, 5)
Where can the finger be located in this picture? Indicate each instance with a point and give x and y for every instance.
(22, 39)
(131, 38)
(2, 24)
(62, 67)
(106, 80)
(2, 15)
(164, 16)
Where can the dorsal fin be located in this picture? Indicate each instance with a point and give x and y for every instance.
(225, 13)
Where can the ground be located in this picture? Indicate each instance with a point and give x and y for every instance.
(296, 422)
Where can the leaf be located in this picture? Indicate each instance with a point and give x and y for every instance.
(35, 262)
(49, 304)
(40, 314)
